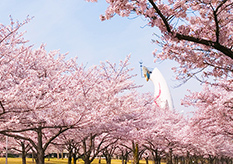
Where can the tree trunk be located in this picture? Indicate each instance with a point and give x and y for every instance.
(40, 156)
(108, 159)
(202, 160)
(211, 160)
(48, 157)
(169, 157)
(108, 156)
(33, 156)
(69, 155)
(87, 161)
(156, 157)
(176, 160)
(40, 150)
(58, 155)
(23, 153)
(195, 159)
(126, 156)
(135, 153)
(182, 160)
(126, 160)
(188, 160)
(99, 160)
(74, 158)
(147, 160)
(122, 158)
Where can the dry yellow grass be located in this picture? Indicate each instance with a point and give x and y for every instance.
(29, 161)
(61, 161)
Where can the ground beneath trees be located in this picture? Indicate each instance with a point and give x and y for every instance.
(61, 161)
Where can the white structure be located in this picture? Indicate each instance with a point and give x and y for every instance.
(161, 91)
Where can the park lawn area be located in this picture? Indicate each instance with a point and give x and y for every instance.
(62, 161)
(29, 161)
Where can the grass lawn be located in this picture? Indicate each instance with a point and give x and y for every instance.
(29, 161)
(61, 161)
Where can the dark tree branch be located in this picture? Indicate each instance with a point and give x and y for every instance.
(161, 16)
(223, 2)
(3, 109)
(217, 26)
(216, 45)
(55, 136)
(8, 35)
(33, 129)
(20, 137)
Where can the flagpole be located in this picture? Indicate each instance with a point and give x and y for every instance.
(141, 67)
(6, 148)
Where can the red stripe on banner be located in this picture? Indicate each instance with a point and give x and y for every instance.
(155, 100)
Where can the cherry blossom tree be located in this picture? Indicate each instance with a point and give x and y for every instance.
(137, 126)
(212, 120)
(119, 115)
(39, 90)
(2, 144)
(42, 94)
(123, 152)
(214, 148)
(162, 134)
(101, 135)
(111, 116)
(58, 95)
(12, 50)
(109, 151)
(196, 34)
(214, 108)
(20, 146)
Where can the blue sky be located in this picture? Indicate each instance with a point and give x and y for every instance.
(74, 26)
